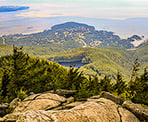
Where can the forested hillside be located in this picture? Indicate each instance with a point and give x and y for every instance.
(101, 61)
(104, 61)
(69, 36)
(21, 74)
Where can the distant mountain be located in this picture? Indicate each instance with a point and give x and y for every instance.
(125, 27)
(70, 25)
(12, 8)
(70, 35)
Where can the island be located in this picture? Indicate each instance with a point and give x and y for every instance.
(12, 8)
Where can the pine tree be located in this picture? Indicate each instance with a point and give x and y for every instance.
(135, 69)
(4, 83)
(105, 84)
(120, 85)
(75, 78)
(19, 62)
(94, 85)
(141, 84)
(132, 85)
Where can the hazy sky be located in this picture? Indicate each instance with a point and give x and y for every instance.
(111, 9)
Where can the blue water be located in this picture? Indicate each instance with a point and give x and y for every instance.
(76, 64)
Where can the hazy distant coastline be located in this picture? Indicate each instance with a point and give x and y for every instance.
(11, 24)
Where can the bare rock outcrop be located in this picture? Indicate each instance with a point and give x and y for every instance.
(63, 92)
(112, 97)
(40, 102)
(140, 111)
(126, 116)
(103, 110)
(54, 108)
(10, 117)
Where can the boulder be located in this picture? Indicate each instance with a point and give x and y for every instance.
(71, 105)
(127, 116)
(51, 97)
(21, 106)
(104, 110)
(40, 102)
(70, 99)
(31, 97)
(140, 111)
(64, 92)
(10, 117)
(54, 108)
(112, 97)
(67, 106)
(95, 97)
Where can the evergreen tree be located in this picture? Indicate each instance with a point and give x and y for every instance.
(19, 63)
(120, 85)
(141, 84)
(135, 69)
(132, 85)
(94, 86)
(75, 78)
(4, 83)
(105, 84)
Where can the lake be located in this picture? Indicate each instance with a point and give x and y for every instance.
(77, 64)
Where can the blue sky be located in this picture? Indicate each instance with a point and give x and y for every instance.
(110, 9)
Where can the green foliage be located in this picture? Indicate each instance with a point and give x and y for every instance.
(106, 84)
(21, 74)
(141, 88)
(103, 61)
(74, 78)
(132, 85)
(5, 82)
(135, 69)
(6, 111)
(137, 88)
(22, 94)
(89, 87)
(120, 86)
(20, 71)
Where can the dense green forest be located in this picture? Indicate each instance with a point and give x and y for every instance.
(21, 74)
(101, 61)
(104, 61)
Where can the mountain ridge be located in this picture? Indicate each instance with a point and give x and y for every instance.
(70, 35)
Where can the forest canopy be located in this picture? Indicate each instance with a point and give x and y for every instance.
(21, 74)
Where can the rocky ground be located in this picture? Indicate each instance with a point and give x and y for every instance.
(52, 107)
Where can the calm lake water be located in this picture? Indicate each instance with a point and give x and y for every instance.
(77, 64)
